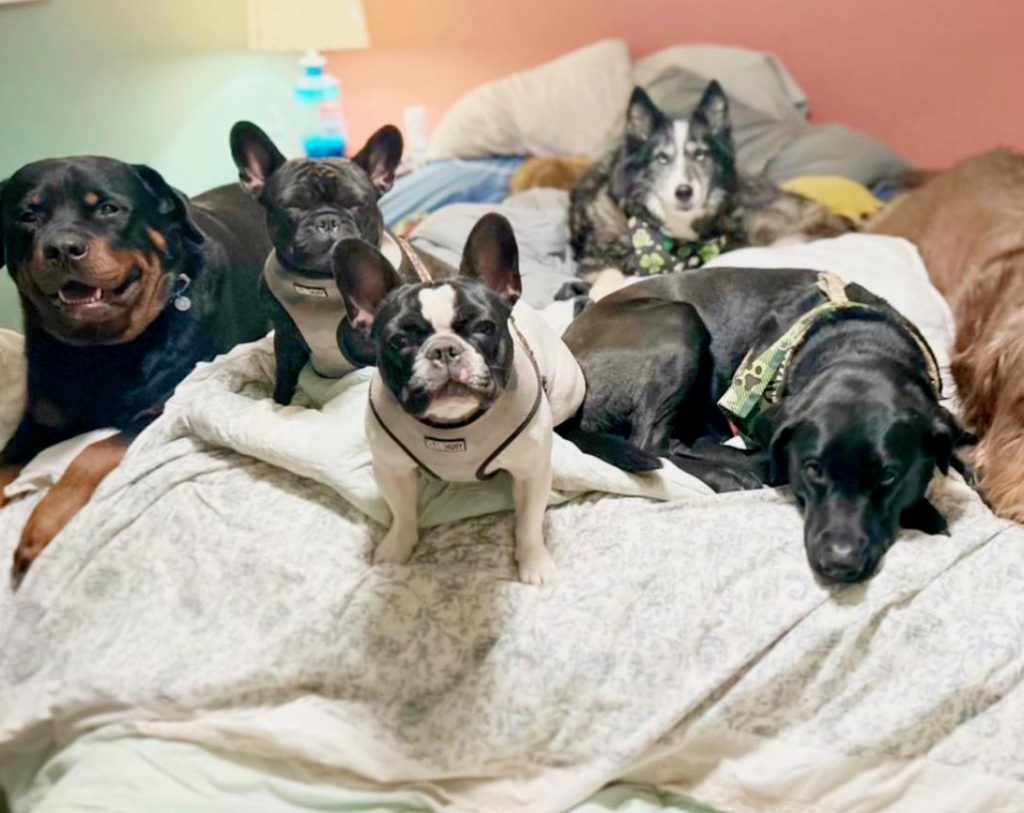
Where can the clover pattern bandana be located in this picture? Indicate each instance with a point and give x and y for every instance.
(657, 253)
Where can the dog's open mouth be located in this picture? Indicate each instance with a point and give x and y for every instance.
(454, 402)
(80, 298)
(456, 389)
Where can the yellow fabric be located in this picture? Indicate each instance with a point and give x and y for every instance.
(841, 195)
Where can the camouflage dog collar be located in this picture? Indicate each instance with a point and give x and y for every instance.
(759, 381)
(654, 252)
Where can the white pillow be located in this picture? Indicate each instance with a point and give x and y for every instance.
(574, 105)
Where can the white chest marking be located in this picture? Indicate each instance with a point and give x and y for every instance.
(438, 307)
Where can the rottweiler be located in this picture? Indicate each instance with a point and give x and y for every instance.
(125, 284)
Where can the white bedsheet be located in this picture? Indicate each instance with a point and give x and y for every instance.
(207, 596)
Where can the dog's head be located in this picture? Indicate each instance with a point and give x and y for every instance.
(677, 172)
(443, 349)
(311, 204)
(94, 246)
(859, 453)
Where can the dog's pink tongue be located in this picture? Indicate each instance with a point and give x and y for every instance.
(463, 376)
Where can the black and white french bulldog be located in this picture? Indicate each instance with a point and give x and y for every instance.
(310, 205)
(468, 383)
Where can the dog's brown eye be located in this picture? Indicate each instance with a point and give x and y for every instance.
(662, 158)
(486, 327)
(106, 209)
(888, 476)
(700, 154)
(397, 342)
(813, 472)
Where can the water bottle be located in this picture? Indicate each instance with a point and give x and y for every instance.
(321, 121)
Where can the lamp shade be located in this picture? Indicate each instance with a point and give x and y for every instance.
(300, 25)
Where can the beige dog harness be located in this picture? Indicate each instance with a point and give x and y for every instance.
(542, 367)
(316, 307)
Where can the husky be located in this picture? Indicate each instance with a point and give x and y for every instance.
(670, 197)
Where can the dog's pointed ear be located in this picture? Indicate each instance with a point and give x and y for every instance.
(380, 157)
(365, 277)
(491, 255)
(642, 117)
(171, 204)
(255, 155)
(713, 109)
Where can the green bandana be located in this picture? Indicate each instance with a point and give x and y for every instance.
(758, 381)
(657, 253)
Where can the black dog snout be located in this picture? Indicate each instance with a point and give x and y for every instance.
(328, 223)
(65, 248)
(444, 351)
(684, 193)
(844, 560)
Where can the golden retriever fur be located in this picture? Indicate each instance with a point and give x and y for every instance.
(558, 173)
(968, 223)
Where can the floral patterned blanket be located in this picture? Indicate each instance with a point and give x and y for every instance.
(208, 596)
(218, 591)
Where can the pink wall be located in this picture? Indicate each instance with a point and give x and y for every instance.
(936, 79)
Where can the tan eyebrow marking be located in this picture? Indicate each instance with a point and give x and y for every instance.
(91, 198)
(157, 239)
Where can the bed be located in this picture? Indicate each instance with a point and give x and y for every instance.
(208, 634)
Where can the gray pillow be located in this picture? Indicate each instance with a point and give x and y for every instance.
(782, 149)
(539, 218)
(758, 135)
(833, 149)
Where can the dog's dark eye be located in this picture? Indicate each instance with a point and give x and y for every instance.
(662, 158)
(700, 154)
(28, 217)
(814, 472)
(485, 327)
(107, 209)
(397, 342)
(888, 476)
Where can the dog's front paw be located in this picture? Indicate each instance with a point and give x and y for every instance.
(572, 289)
(536, 565)
(395, 548)
(43, 525)
(8, 474)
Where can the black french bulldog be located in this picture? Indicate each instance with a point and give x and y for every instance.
(856, 430)
(125, 285)
(310, 205)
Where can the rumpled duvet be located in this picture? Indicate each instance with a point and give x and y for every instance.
(218, 591)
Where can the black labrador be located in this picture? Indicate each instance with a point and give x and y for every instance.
(852, 421)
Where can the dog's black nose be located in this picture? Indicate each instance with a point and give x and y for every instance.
(328, 223)
(843, 561)
(65, 247)
(444, 351)
(684, 193)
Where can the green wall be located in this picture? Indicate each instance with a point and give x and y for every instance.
(158, 82)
